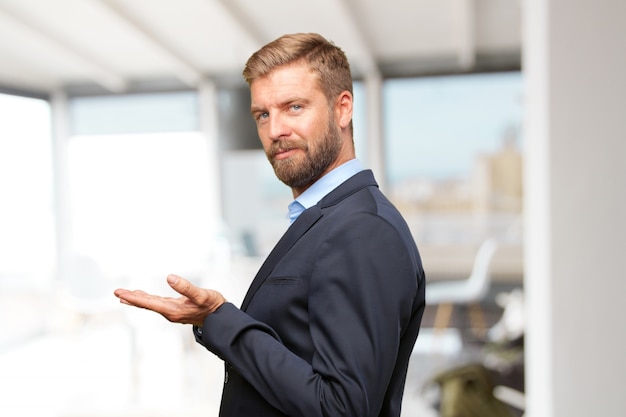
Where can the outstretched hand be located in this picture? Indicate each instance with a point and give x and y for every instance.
(194, 305)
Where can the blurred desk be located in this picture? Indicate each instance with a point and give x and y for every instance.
(454, 261)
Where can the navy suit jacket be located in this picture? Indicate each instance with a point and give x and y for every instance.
(329, 322)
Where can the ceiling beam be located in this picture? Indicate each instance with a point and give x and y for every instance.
(467, 32)
(103, 75)
(185, 71)
(366, 59)
(246, 25)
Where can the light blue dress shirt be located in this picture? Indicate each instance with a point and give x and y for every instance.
(321, 187)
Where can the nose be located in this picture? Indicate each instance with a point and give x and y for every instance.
(277, 127)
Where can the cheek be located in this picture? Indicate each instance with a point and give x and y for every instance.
(310, 129)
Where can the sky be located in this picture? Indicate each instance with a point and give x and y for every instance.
(434, 126)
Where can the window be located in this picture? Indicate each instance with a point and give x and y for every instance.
(453, 154)
(27, 242)
(454, 167)
(140, 203)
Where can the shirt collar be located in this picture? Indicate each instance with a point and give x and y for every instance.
(321, 187)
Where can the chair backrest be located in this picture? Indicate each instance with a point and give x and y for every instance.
(480, 278)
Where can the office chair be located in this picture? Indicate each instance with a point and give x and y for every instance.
(470, 291)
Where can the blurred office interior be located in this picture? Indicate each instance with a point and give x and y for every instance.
(127, 152)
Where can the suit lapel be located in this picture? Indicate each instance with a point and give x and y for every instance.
(304, 222)
(291, 236)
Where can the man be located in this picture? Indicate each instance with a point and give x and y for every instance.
(329, 322)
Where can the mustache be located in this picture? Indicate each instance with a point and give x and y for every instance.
(285, 145)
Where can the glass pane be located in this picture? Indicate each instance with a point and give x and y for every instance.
(134, 113)
(249, 182)
(27, 247)
(454, 158)
(140, 202)
(27, 240)
(453, 148)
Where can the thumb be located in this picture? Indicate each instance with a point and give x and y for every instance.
(182, 286)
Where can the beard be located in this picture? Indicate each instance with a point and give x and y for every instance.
(300, 171)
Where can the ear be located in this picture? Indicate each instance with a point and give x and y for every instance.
(343, 109)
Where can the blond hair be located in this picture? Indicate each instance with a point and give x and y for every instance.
(321, 55)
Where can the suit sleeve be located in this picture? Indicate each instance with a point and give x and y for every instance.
(360, 299)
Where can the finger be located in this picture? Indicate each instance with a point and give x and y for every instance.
(183, 287)
(118, 292)
(121, 292)
(143, 300)
(126, 299)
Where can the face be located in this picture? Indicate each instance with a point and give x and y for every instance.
(299, 129)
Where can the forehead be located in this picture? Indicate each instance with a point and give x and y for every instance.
(286, 80)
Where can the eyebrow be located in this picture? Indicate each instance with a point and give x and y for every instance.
(286, 102)
(255, 109)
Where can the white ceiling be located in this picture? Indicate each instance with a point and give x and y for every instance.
(118, 45)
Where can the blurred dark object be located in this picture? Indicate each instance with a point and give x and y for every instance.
(468, 391)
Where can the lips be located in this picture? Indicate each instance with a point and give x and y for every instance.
(284, 153)
(283, 150)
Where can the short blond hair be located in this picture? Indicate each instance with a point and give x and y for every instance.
(321, 55)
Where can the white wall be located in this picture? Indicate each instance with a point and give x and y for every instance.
(575, 69)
